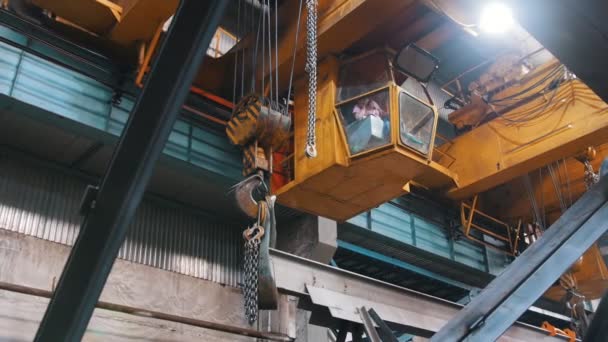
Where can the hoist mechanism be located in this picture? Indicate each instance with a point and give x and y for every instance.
(260, 125)
(258, 129)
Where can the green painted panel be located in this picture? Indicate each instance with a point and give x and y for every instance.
(74, 96)
(9, 58)
(469, 253)
(431, 237)
(394, 221)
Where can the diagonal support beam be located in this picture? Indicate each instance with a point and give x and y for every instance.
(130, 169)
(508, 296)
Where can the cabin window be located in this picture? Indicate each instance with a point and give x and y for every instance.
(363, 75)
(366, 121)
(416, 122)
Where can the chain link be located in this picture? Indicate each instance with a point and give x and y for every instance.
(311, 70)
(250, 283)
(590, 176)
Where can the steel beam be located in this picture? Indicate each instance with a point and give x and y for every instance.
(417, 313)
(368, 325)
(598, 330)
(163, 316)
(508, 296)
(130, 169)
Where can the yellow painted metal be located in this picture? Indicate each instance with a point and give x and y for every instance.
(339, 185)
(510, 236)
(511, 202)
(97, 16)
(341, 23)
(591, 277)
(141, 19)
(134, 21)
(499, 151)
(151, 48)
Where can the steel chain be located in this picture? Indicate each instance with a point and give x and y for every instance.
(311, 70)
(590, 176)
(250, 283)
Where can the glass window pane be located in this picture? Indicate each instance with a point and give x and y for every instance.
(366, 121)
(416, 121)
(363, 75)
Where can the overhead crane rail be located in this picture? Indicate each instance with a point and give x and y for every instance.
(413, 312)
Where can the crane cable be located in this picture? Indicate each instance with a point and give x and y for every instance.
(557, 187)
(293, 57)
(537, 216)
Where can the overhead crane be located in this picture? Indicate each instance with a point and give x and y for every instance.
(375, 140)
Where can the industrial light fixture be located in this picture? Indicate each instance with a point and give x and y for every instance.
(416, 62)
(496, 17)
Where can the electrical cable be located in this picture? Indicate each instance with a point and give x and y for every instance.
(534, 113)
(535, 85)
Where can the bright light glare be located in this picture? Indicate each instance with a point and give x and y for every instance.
(496, 17)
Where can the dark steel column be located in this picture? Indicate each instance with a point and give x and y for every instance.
(125, 181)
(499, 305)
(598, 330)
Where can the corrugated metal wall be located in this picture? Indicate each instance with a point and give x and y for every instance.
(43, 202)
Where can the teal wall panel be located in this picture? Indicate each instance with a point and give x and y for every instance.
(9, 59)
(396, 222)
(471, 254)
(74, 96)
(61, 91)
(431, 237)
(392, 222)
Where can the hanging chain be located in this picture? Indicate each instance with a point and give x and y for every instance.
(250, 283)
(253, 237)
(590, 176)
(311, 70)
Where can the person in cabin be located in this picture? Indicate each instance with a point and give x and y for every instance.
(365, 107)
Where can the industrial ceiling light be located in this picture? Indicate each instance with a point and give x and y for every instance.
(416, 62)
(496, 17)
